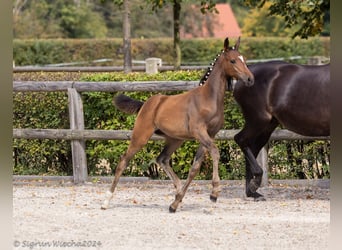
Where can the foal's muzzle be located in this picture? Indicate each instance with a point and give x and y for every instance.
(248, 80)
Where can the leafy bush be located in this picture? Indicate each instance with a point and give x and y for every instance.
(194, 51)
(41, 110)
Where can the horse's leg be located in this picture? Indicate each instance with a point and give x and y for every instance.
(253, 170)
(140, 137)
(251, 145)
(163, 160)
(209, 144)
(192, 173)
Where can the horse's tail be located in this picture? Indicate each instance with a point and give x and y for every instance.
(127, 104)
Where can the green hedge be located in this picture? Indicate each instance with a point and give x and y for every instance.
(53, 157)
(194, 51)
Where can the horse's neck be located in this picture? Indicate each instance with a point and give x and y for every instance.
(216, 83)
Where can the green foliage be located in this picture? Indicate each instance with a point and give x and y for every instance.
(258, 23)
(57, 19)
(41, 52)
(41, 110)
(194, 51)
(299, 159)
(81, 22)
(307, 14)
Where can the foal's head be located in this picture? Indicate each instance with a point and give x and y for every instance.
(234, 63)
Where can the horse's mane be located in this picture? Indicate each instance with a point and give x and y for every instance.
(208, 72)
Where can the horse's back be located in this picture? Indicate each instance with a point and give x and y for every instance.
(299, 98)
(296, 95)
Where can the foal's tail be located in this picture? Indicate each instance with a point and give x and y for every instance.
(127, 104)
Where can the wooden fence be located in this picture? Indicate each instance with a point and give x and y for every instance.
(78, 135)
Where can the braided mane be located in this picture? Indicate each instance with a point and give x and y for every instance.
(208, 72)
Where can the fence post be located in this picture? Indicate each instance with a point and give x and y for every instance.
(79, 160)
(262, 160)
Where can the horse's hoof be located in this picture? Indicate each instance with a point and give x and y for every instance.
(253, 187)
(213, 198)
(256, 196)
(104, 207)
(260, 198)
(172, 210)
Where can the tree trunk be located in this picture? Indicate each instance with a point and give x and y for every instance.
(127, 37)
(176, 33)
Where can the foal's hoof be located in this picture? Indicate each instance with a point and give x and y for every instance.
(104, 207)
(213, 198)
(172, 210)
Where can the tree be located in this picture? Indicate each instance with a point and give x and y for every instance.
(308, 14)
(127, 37)
(79, 21)
(58, 18)
(259, 23)
(206, 5)
(126, 27)
(18, 6)
(33, 19)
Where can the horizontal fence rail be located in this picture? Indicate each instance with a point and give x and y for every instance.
(32, 86)
(67, 67)
(70, 134)
(78, 135)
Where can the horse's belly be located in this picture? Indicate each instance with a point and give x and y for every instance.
(316, 125)
(306, 112)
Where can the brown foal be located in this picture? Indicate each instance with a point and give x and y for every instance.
(196, 114)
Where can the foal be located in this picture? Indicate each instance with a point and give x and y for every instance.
(196, 114)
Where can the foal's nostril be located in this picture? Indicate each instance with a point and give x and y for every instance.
(250, 81)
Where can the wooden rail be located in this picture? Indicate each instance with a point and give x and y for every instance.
(78, 135)
(18, 69)
(36, 86)
(74, 134)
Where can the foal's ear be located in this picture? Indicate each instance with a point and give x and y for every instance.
(226, 44)
(237, 44)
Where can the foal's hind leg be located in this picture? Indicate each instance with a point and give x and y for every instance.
(140, 137)
(207, 144)
(192, 173)
(164, 157)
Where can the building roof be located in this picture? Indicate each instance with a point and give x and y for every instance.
(221, 25)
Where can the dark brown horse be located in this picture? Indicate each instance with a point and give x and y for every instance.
(294, 96)
(196, 114)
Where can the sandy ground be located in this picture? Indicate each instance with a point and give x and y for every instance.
(56, 216)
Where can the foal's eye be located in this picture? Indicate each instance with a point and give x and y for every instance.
(233, 61)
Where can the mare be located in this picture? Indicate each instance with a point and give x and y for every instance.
(291, 95)
(195, 114)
